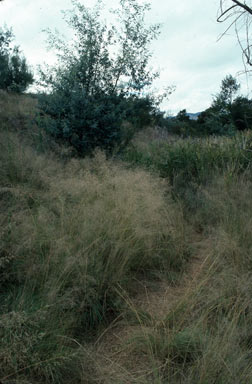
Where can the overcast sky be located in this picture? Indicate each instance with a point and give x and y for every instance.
(187, 52)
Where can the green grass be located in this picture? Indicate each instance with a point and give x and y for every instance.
(192, 161)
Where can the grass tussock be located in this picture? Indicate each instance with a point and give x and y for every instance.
(71, 236)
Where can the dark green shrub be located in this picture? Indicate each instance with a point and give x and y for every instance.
(83, 121)
(213, 122)
(241, 111)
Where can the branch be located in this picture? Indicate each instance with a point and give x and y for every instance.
(237, 4)
(228, 28)
(223, 13)
(244, 6)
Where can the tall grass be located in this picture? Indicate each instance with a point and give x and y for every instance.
(71, 234)
(193, 160)
(79, 237)
(16, 111)
(205, 337)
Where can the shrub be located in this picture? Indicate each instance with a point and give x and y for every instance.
(83, 121)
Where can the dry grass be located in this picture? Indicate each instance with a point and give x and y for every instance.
(86, 247)
(16, 111)
(202, 331)
(71, 236)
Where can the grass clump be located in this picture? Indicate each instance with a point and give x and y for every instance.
(72, 235)
(33, 349)
(94, 230)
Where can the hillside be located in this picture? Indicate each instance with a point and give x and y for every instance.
(134, 268)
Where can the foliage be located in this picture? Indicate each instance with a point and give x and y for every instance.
(241, 111)
(100, 78)
(229, 87)
(190, 162)
(84, 122)
(225, 116)
(218, 118)
(182, 116)
(15, 74)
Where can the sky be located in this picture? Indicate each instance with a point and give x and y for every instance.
(187, 52)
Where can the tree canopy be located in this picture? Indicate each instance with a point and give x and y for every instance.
(100, 76)
(15, 75)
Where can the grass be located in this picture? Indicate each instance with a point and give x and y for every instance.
(205, 335)
(191, 161)
(72, 232)
(110, 273)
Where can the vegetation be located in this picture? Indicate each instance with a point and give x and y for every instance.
(189, 163)
(226, 115)
(73, 237)
(125, 236)
(15, 74)
(90, 247)
(99, 80)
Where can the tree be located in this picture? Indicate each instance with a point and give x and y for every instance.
(238, 14)
(99, 75)
(15, 74)
(183, 116)
(218, 118)
(229, 87)
(112, 59)
(241, 111)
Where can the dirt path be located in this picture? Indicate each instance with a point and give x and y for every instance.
(151, 305)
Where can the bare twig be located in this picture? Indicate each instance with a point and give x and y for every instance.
(240, 13)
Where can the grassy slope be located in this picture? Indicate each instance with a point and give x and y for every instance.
(90, 250)
(74, 234)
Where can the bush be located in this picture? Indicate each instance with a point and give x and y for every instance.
(83, 121)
